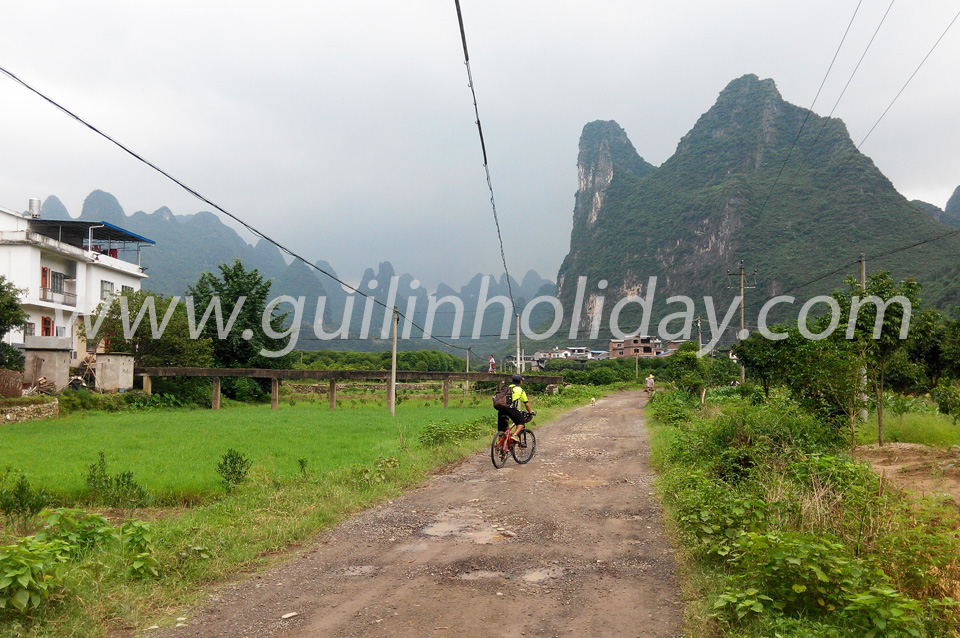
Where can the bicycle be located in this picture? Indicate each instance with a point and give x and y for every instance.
(522, 449)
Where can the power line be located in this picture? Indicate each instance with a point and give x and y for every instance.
(857, 148)
(483, 148)
(826, 120)
(206, 200)
(810, 110)
(910, 79)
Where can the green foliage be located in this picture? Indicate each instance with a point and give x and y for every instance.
(80, 531)
(120, 490)
(948, 400)
(11, 358)
(415, 360)
(18, 499)
(136, 538)
(380, 472)
(233, 468)
(28, 573)
(798, 538)
(173, 347)
(12, 314)
(446, 432)
(672, 408)
(234, 351)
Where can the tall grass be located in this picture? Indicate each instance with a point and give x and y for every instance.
(926, 428)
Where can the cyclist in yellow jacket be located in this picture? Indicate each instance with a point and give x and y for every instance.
(512, 413)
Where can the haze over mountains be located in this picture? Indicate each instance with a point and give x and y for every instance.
(756, 179)
(188, 245)
(713, 203)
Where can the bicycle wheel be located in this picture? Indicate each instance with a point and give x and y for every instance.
(497, 454)
(523, 450)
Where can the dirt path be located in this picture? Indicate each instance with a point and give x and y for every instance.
(571, 544)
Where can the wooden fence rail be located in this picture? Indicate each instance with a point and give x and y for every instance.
(333, 376)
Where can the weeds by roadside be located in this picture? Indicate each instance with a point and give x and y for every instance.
(790, 536)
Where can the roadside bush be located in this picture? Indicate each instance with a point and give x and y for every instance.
(381, 470)
(444, 431)
(77, 529)
(29, 571)
(672, 408)
(709, 514)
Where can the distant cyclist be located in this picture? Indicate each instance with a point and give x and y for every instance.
(512, 413)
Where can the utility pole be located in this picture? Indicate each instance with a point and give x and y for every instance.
(466, 384)
(741, 335)
(863, 371)
(392, 390)
(863, 273)
(519, 362)
(699, 336)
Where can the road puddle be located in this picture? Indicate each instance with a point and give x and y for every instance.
(466, 525)
(480, 575)
(542, 575)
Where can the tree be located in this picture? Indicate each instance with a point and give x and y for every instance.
(880, 333)
(244, 294)
(762, 358)
(927, 343)
(12, 316)
(172, 347)
(690, 370)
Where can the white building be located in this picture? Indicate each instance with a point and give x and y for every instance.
(65, 269)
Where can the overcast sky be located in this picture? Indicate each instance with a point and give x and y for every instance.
(346, 129)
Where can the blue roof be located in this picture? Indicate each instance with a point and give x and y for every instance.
(134, 236)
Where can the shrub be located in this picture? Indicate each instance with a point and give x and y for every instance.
(379, 472)
(120, 491)
(672, 408)
(233, 468)
(79, 530)
(28, 571)
(444, 431)
(136, 538)
(18, 499)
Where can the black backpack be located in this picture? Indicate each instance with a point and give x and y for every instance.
(502, 399)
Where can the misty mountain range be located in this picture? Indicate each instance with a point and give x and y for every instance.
(188, 245)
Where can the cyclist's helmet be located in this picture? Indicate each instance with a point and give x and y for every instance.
(517, 378)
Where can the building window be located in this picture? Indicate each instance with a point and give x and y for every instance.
(126, 290)
(30, 330)
(56, 281)
(46, 327)
(61, 331)
(636, 351)
(106, 290)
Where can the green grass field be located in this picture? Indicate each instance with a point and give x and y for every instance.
(936, 430)
(174, 453)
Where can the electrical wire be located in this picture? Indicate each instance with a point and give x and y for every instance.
(910, 79)
(202, 198)
(810, 110)
(826, 120)
(483, 148)
(857, 148)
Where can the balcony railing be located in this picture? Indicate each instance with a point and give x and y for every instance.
(65, 298)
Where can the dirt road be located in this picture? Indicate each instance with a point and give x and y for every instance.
(571, 544)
